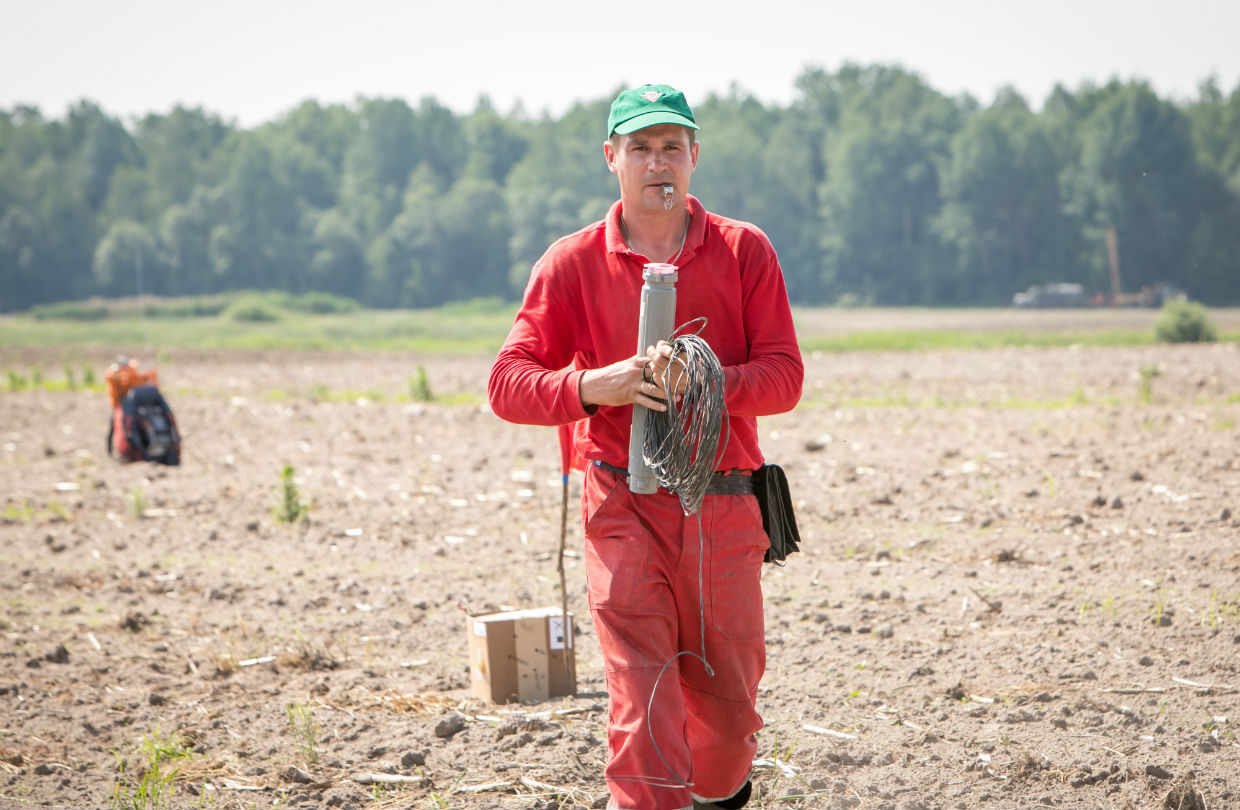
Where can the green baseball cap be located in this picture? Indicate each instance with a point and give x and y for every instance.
(647, 106)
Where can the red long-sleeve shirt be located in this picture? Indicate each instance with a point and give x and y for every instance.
(581, 311)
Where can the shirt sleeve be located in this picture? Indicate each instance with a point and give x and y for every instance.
(531, 382)
(770, 381)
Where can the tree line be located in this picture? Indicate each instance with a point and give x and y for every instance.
(874, 187)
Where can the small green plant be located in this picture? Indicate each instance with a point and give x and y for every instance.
(380, 792)
(88, 377)
(1148, 373)
(36, 377)
(1220, 610)
(58, 510)
(150, 793)
(16, 381)
(778, 768)
(290, 508)
(301, 722)
(155, 782)
(439, 801)
(70, 378)
(1159, 610)
(158, 748)
(1050, 485)
(18, 514)
(420, 386)
(137, 501)
(1184, 322)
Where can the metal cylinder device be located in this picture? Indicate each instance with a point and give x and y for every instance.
(655, 322)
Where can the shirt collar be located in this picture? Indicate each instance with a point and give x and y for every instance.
(693, 240)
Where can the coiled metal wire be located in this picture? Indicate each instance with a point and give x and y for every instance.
(684, 443)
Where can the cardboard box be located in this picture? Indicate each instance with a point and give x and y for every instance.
(522, 655)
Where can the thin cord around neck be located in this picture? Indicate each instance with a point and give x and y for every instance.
(624, 232)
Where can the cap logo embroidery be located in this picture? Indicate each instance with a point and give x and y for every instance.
(651, 95)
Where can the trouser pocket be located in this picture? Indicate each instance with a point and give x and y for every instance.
(735, 545)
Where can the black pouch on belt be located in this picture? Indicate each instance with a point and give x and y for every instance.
(770, 485)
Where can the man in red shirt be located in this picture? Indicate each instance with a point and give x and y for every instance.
(676, 599)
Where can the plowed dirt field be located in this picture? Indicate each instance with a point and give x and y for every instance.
(1019, 586)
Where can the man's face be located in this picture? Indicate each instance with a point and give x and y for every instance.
(646, 160)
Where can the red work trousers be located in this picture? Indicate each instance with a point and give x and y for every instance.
(690, 735)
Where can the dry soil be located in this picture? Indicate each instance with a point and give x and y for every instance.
(1019, 587)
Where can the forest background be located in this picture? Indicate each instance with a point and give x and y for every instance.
(875, 188)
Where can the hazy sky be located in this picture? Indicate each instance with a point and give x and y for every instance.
(251, 60)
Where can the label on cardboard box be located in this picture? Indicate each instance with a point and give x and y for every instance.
(558, 641)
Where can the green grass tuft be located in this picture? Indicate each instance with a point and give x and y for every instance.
(152, 787)
(420, 386)
(290, 508)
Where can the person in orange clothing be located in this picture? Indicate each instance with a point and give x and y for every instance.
(142, 426)
(676, 599)
(124, 374)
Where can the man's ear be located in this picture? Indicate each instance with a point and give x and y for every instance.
(609, 154)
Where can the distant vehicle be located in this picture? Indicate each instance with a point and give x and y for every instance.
(1049, 296)
(1151, 295)
(1064, 295)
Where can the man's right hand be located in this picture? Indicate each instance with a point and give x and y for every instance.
(621, 383)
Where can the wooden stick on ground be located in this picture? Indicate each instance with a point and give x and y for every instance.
(386, 779)
(481, 788)
(559, 566)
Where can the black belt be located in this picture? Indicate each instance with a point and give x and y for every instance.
(733, 484)
(729, 482)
